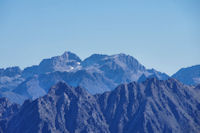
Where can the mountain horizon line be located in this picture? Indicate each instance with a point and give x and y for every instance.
(98, 73)
(150, 106)
(83, 59)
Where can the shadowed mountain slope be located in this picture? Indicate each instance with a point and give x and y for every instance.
(151, 106)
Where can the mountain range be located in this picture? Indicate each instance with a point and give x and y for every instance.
(97, 73)
(147, 107)
(103, 93)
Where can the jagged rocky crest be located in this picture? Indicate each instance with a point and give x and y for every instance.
(7, 110)
(64, 109)
(98, 73)
(150, 106)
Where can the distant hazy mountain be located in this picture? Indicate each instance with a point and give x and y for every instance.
(10, 78)
(98, 73)
(189, 75)
(147, 107)
(66, 62)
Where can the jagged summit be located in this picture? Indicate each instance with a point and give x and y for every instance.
(63, 109)
(61, 87)
(70, 56)
(97, 73)
(150, 106)
(10, 71)
(68, 61)
(145, 101)
(123, 60)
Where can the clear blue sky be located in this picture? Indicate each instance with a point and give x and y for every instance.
(161, 34)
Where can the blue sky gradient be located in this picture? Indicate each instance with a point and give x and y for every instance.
(164, 35)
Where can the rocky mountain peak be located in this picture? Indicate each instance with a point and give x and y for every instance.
(70, 56)
(63, 109)
(97, 73)
(150, 106)
(60, 88)
(10, 71)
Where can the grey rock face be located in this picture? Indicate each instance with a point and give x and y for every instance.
(152, 106)
(97, 73)
(65, 62)
(7, 109)
(189, 75)
(64, 109)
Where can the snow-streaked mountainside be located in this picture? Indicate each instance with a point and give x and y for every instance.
(98, 73)
(152, 106)
(189, 75)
